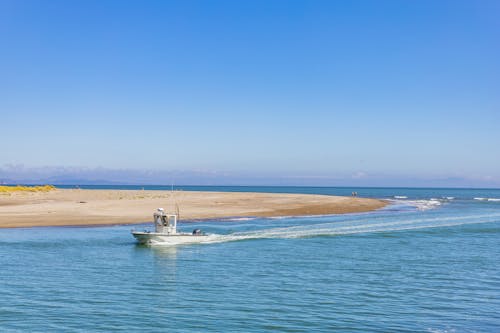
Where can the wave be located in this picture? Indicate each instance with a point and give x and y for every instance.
(420, 204)
(238, 219)
(405, 197)
(488, 199)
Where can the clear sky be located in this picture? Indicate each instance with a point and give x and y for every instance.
(303, 89)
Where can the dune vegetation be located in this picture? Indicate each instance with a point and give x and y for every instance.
(19, 188)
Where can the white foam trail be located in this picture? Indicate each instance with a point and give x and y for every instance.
(354, 227)
(400, 197)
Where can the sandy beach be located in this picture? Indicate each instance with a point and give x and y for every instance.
(65, 207)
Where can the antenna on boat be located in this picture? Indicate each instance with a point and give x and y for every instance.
(172, 195)
(177, 211)
(174, 198)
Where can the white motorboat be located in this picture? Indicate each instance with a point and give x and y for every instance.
(166, 233)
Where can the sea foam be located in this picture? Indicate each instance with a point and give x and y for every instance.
(420, 204)
(487, 199)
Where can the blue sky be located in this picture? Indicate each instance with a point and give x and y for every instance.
(371, 92)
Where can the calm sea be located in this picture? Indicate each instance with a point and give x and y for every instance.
(420, 265)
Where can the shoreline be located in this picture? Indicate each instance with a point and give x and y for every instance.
(96, 207)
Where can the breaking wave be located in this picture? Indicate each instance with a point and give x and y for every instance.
(488, 199)
(420, 204)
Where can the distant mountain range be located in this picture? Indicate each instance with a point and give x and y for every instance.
(18, 174)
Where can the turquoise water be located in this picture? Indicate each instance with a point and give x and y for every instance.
(416, 266)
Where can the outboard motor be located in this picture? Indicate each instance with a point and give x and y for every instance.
(196, 232)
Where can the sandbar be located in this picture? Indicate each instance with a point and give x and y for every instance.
(80, 207)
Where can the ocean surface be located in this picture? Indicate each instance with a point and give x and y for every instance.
(429, 262)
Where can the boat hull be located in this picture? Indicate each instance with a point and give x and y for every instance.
(152, 238)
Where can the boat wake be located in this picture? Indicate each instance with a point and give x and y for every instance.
(358, 226)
